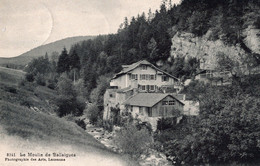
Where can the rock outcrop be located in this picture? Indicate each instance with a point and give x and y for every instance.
(188, 45)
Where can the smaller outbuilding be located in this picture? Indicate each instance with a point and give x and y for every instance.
(150, 107)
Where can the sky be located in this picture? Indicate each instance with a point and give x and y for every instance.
(26, 24)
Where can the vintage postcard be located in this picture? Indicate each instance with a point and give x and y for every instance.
(129, 82)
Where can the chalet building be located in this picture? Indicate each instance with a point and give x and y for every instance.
(152, 106)
(144, 76)
(140, 89)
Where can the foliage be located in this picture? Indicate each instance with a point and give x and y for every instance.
(29, 77)
(81, 123)
(63, 62)
(68, 103)
(227, 131)
(65, 86)
(39, 65)
(40, 70)
(216, 142)
(11, 90)
(97, 93)
(40, 80)
(107, 125)
(115, 116)
(132, 141)
(165, 123)
(51, 84)
(93, 114)
(79, 87)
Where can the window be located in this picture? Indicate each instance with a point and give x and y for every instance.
(147, 76)
(152, 77)
(165, 103)
(112, 95)
(171, 102)
(161, 112)
(141, 110)
(142, 87)
(152, 87)
(144, 67)
(142, 76)
(165, 78)
(134, 76)
(149, 110)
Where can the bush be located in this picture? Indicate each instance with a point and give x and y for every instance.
(93, 114)
(144, 125)
(166, 123)
(11, 90)
(51, 84)
(107, 125)
(26, 103)
(132, 141)
(29, 77)
(21, 83)
(69, 105)
(81, 123)
(40, 80)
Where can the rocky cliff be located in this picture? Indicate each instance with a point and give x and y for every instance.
(188, 45)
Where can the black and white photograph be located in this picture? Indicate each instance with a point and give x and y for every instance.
(129, 82)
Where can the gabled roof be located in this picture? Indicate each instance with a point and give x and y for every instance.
(128, 68)
(147, 99)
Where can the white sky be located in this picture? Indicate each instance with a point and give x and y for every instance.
(26, 24)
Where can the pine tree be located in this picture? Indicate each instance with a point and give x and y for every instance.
(63, 62)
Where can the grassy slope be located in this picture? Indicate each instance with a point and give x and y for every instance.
(41, 50)
(19, 119)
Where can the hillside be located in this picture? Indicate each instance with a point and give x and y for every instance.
(56, 46)
(29, 125)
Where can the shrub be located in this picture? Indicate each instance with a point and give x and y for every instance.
(22, 83)
(69, 117)
(144, 125)
(51, 84)
(93, 114)
(81, 123)
(11, 90)
(29, 77)
(132, 141)
(107, 125)
(69, 105)
(40, 80)
(26, 103)
(166, 123)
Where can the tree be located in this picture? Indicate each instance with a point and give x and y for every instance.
(65, 86)
(198, 24)
(97, 94)
(74, 60)
(93, 114)
(63, 62)
(67, 102)
(215, 142)
(74, 64)
(39, 65)
(227, 129)
(152, 47)
(132, 141)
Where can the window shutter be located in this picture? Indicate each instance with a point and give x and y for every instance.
(147, 88)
